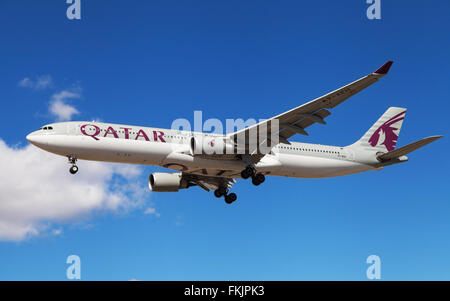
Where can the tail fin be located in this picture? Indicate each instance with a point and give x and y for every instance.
(383, 135)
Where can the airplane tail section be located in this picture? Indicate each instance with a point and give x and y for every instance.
(383, 135)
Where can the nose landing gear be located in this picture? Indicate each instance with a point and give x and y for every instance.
(73, 160)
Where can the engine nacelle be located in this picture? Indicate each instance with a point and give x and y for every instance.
(167, 182)
(205, 145)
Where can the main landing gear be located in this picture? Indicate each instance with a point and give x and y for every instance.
(73, 160)
(257, 178)
(223, 191)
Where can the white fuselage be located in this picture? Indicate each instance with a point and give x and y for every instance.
(170, 148)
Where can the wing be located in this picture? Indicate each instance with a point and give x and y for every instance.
(298, 119)
(207, 182)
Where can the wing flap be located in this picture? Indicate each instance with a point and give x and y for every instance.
(209, 182)
(305, 120)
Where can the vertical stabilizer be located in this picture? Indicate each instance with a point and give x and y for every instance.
(383, 135)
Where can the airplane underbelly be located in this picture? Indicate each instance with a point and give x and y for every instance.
(204, 166)
(109, 149)
(316, 167)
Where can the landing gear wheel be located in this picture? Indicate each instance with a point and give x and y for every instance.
(72, 160)
(230, 198)
(74, 169)
(248, 172)
(220, 191)
(258, 179)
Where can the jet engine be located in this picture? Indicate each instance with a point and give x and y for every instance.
(205, 145)
(167, 182)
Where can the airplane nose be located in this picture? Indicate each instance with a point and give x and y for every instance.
(36, 139)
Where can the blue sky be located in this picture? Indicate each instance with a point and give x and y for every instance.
(150, 62)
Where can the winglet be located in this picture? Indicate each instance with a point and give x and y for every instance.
(385, 68)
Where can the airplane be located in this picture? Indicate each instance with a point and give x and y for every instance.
(182, 151)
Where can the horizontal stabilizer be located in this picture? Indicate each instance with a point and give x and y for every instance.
(407, 149)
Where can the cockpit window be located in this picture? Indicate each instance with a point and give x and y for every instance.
(47, 128)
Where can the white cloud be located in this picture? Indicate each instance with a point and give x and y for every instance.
(57, 232)
(64, 95)
(41, 82)
(37, 191)
(152, 211)
(58, 106)
(60, 109)
(26, 83)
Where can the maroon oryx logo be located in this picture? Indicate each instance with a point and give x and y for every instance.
(388, 130)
